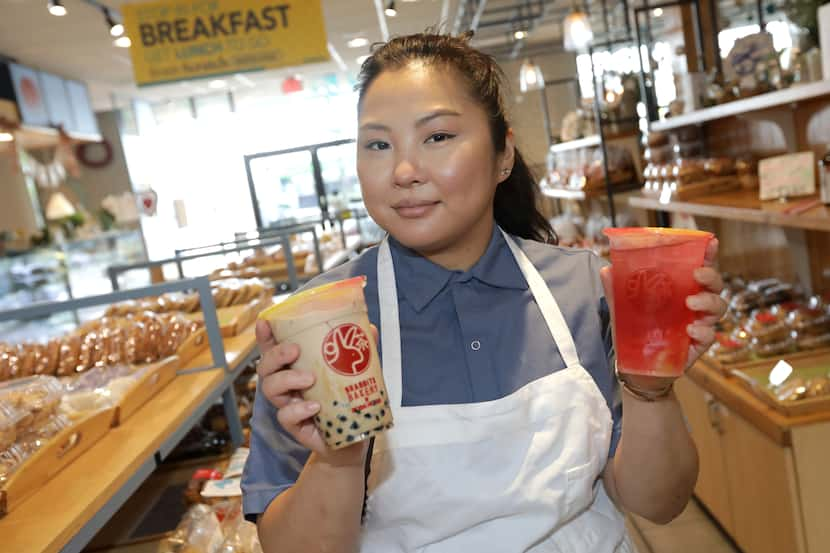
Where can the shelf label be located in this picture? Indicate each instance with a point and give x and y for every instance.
(787, 176)
(174, 40)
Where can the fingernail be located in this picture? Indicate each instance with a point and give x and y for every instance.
(312, 407)
(694, 303)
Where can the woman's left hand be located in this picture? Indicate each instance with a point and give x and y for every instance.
(708, 304)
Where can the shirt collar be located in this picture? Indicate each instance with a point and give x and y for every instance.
(419, 280)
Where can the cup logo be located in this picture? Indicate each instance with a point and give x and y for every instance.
(346, 350)
(649, 289)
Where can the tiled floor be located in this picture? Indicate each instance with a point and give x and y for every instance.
(692, 532)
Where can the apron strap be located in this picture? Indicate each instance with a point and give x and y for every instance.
(547, 304)
(390, 331)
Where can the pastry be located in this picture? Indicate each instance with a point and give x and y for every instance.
(745, 301)
(818, 386)
(808, 342)
(787, 345)
(808, 321)
(777, 294)
(719, 167)
(729, 350)
(760, 286)
(765, 328)
(794, 388)
(70, 351)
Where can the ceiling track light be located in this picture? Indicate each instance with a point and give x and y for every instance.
(56, 8)
(116, 29)
(390, 9)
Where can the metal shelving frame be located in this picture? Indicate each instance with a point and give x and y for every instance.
(224, 391)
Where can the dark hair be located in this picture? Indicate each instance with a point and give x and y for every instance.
(515, 205)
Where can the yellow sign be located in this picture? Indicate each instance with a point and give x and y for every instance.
(174, 40)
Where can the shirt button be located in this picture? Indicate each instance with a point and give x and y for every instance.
(476, 345)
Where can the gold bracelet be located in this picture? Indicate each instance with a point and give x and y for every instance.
(644, 395)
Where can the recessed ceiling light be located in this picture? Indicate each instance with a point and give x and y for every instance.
(519, 35)
(358, 42)
(56, 7)
(390, 9)
(217, 84)
(123, 41)
(361, 59)
(657, 12)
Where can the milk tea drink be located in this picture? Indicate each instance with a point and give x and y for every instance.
(331, 325)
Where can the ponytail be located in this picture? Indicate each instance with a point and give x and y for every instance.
(516, 206)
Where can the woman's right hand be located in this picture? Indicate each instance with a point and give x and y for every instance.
(283, 387)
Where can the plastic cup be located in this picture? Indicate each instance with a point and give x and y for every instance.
(653, 274)
(331, 325)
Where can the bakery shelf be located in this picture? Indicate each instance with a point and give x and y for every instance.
(587, 142)
(67, 512)
(794, 94)
(570, 194)
(744, 205)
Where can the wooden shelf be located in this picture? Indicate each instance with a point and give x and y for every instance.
(587, 142)
(37, 138)
(82, 495)
(743, 205)
(794, 94)
(570, 194)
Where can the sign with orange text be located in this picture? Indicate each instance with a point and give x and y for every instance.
(174, 40)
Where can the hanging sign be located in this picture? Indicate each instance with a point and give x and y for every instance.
(173, 40)
(147, 202)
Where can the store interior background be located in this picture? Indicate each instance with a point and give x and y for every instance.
(187, 143)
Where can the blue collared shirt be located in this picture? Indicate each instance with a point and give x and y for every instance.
(466, 337)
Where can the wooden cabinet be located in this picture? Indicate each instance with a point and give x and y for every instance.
(747, 481)
(712, 487)
(762, 490)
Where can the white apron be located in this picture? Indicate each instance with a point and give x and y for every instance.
(510, 475)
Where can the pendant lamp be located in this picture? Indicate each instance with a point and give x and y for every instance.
(576, 30)
(530, 77)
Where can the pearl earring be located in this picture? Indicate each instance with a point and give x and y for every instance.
(505, 171)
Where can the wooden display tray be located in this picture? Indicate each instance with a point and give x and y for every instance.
(754, 379)
(157, 377)
(755, 362)
(50, 459)
(234, 319)
(193, 346)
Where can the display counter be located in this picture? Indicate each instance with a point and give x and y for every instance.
(763, 475)
(67, 512)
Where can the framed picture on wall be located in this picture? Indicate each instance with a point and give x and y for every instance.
(56, 99)
(84, 117)
(29, 96)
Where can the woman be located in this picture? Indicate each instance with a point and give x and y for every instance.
(496, 350)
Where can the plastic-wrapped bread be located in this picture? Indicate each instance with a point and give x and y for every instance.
(29, 356)
(86, 357)
(70, 352)
(36, 397)
(47, 364)
(5, 368)
(9, 419)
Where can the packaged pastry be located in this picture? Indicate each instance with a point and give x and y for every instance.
(766, 328)
(777, 294)
(818, 386)
(719, 166)
(36, 398)
(761, 285)
(688, 171)
(808, 321)
(11, 459)
(770, 349)
(792, 389)
(808, 342)
(70, 352)
(729, 349)
(745, 301)
(47, 364)
(10, 418)
(5, 369)
(87, 353)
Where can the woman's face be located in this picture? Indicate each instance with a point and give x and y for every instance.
(426, 162)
